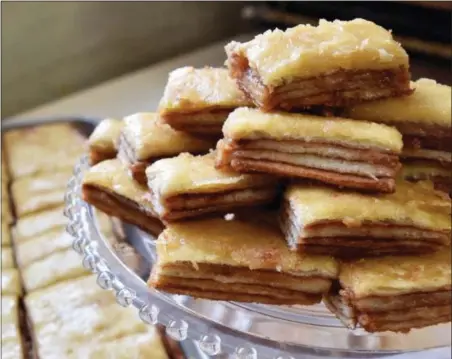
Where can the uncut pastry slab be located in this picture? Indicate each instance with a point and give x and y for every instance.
(333, 64)
(103, 141)
(188, 186)
(199, 100)
(341, 152)
(109, 187)
(325, 220)
(393, 293)
(145, 139)
(238, 260)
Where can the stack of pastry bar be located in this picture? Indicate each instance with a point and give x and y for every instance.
(63, 313)
(264, 200)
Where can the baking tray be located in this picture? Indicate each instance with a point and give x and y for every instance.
(86, 125)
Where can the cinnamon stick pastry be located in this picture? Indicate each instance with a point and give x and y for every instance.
(392, 293)
(145, 139)
(239, 260)
(333, 64)
(424, 119)
(337, 151)
(108, 187)
(103, 141)
(43, 148)
(323, 220)
(39, 192)
(188, 186)
(199, 100)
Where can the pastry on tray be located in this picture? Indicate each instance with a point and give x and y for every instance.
(27, 228)
(188, 186)
(103, 141)
(108, 187)
(199, 100)
(59, 266)
(39, 192)
(43, 148)
(11, 346)
(145, 139)
(341, 152)
(233, 259)
(392, 293)
(428, 170)
(11, 282)
(333, 64)
(7, 258)
(323, 220)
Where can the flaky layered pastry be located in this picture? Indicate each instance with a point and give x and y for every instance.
(392, 293)
(60, 266)
(424, 119)
(337, 151)
(199, 100)
(108, 187)
(238, 260)
(333, 64)
(188, 186)
(43, 148)
(103, 141)
(39, 192)
(11, 345)
(11, 282)
(27, 228)
(145, 139)
(426, 170)
(414, 219)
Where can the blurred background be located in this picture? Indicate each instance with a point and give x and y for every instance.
(52, 49)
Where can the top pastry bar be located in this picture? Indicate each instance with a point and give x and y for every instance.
(333, 64)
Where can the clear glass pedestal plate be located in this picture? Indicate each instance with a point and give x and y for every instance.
(220, 329)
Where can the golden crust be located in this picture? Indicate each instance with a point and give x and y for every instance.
(60, 266)
(413, 204)
(43, 148)
(188, 174)
(246, 123)
(36, 193)
(389, 276)
(307, 51)
(430, 104)
(253, 245)
(11, 282)
(149, 138)
(31, 226)
(191, 90)
(7, 258)
(103, 141)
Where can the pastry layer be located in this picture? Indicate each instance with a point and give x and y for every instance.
(40, 192)
(394, 293)
(320, 220)
(7, 258)
(306, 51)
(108, 187)
(188, 185)
(423, 170)
(238, 260)
(6, 237)
(207, 122)
(43, 148)
(60, 266)
(11, 344)
(103, 141)
(27, 228)
(11, 282)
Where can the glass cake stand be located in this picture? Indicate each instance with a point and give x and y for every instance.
(245, 330)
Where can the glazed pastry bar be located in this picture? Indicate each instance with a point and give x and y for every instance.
(145, 139)
(103, 141)
(393, 293)
(199, 100)
(336, 151)
(333, 64)
(108, 187)
(238, 260)
(322, 220)
(187, 186)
